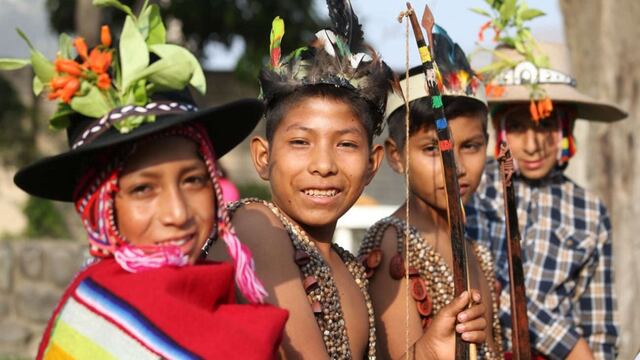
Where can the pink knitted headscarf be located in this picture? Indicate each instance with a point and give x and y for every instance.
(95, 198)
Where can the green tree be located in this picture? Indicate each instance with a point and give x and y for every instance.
(210, 21)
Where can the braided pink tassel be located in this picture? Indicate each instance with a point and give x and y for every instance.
(135, 259)
(245, 273)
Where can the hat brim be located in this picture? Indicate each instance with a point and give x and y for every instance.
(56, 177)
(587, 107)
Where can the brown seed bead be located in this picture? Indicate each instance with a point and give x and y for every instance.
(362, 259)
(301, 258)
(316, 307)
(418, 289)
(369, 273)
(310, 283)
(497, 288)
(426, 322)
(425, 307)
(396, 267)
(374, 258)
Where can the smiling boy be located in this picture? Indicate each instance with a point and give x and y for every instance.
(324, 105)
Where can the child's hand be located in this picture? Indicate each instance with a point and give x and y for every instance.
(456, 317)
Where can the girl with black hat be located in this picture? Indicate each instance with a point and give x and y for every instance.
(142, 174)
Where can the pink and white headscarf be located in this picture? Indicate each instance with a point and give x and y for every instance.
(95, 198)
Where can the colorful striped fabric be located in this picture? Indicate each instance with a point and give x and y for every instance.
(96, 324)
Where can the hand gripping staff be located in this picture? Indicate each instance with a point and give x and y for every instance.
(519, 323)
(455, 210)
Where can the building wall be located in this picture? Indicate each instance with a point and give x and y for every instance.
(33, 276)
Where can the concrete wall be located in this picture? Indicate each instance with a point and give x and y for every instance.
(33, 276)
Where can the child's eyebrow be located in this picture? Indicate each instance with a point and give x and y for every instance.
(298, 127)
(350, 130)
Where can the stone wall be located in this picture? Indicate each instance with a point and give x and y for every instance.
(33, 276)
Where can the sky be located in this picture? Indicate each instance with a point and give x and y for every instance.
(377, 16)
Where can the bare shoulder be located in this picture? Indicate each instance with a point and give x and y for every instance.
(261, 230)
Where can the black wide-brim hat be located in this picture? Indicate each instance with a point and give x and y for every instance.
(56, 177)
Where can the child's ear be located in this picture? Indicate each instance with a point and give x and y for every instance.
(394, 158)
(260, 156)
(375, 158)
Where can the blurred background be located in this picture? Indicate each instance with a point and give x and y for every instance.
(42, 243)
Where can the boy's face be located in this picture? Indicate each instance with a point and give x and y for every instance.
(166, 197)
(533, 146)
(318, 161)
(426, 174)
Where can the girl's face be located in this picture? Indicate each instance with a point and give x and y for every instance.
(166, 196)
(534, 146)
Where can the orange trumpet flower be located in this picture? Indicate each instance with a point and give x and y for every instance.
(68, 66)
(533, 109)
(69, 90)
(105, 35)
(59, 82)
(81, 47)
(99, 61)
(104, 81)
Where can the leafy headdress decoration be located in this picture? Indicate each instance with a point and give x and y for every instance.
(508, 19)
(92, 83)
(336, 57)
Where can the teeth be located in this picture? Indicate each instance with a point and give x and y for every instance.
(179, 242)
(321, 193)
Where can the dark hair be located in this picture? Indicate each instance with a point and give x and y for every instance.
(422, 115)
(369, 116)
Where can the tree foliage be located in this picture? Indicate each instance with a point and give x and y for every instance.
(210, 21)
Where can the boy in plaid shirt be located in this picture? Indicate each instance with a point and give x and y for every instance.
(565, 229)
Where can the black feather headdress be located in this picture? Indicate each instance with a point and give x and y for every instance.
(336, 57)
(454, 75)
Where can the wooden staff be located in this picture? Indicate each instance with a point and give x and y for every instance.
(445, 142)
(519, 323)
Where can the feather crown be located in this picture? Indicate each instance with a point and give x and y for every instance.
(336, 57)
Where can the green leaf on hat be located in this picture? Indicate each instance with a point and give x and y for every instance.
(94, 104)
(157, 32)
(134, 55)
(13, 64)
(480, 12)
(42, 67)
(197, 80)
(38, 86)
(114, 3)
(508, 9)
(529, 14)
(65, 44)
(169, 73)
(60, 119)
(142, 22)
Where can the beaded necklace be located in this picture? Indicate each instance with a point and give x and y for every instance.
(431, 280)
(321, 289)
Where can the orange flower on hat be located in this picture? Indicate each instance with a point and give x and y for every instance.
(99, 61)
(81, 47)
(69, 90)
(105, 36)
(483, 28)
(533, 109)
(59, 82)
(545, 107)
(68, 66)
(104, 81)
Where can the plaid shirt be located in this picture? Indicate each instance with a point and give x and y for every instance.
(566, 251)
